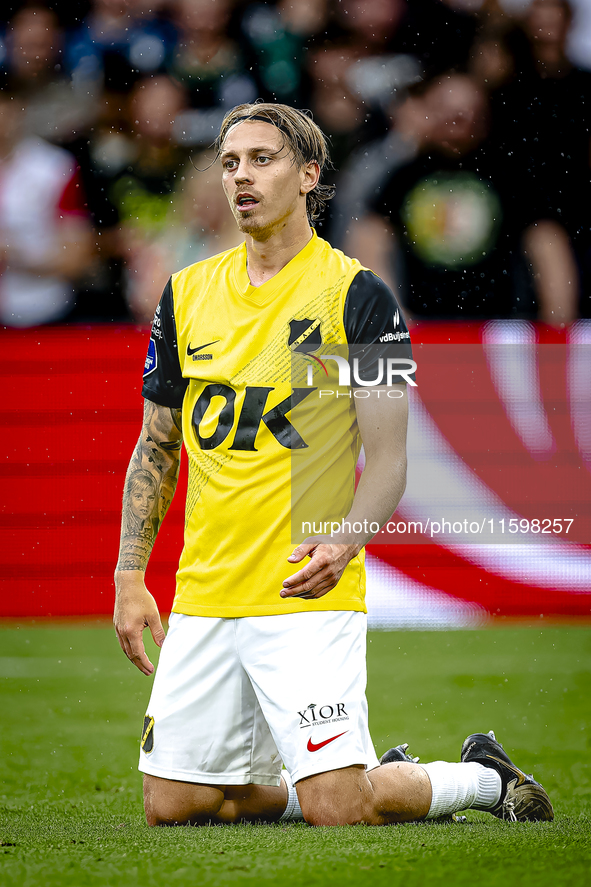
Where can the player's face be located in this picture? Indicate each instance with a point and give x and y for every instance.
(263, 184)
(142, 502)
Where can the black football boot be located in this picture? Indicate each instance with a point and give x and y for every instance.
(522, 798)
(398, 754)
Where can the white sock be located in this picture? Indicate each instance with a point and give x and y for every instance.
(293, 811)
(461, 786)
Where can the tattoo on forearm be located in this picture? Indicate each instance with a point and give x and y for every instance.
(150, 484)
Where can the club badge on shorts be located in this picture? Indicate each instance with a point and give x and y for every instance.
(147, 740)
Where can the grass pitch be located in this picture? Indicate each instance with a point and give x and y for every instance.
(70, 795)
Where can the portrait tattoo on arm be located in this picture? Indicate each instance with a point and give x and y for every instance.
(150, 484)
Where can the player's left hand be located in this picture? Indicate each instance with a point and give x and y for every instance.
(327, 563)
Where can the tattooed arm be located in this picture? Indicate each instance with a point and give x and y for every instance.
(149, 487)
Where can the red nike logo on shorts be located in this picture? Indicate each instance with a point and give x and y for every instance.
(313, 747)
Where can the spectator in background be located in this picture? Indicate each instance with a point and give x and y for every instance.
(462, 225)
(104, 153)
(140, 195)
(117, 44)
(207, 60)
(46, 238)
(359, 70)
(118, 41)
(352, 62)
(370, 165)
(277, 38)
(491, 62)
(199, 224)
(542, 111)
(541, 126)
(579, 38)
(34, 67)
(547, 110)
(338, 112)
(438, 33)
(33, 49)
(379, 66)
(131, 164)
(374, 51)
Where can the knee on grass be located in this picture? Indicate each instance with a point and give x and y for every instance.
(330, 808)
(176, 803)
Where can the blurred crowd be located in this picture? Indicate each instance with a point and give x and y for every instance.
(459, 134)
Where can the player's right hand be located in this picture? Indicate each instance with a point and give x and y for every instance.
(135, 609)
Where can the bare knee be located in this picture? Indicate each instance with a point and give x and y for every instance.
(329, 811)
(339, 797)
(167, 802)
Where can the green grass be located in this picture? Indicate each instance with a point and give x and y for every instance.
(70, 795)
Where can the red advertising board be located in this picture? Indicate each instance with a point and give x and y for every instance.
(500, 432)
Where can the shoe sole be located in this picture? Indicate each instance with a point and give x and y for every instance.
(527, 802)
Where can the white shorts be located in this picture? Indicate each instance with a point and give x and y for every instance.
(233, 698)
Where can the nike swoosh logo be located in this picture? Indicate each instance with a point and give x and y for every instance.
(313, 747)
(518, 773)
(191, 351)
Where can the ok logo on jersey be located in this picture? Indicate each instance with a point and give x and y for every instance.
(250, 417)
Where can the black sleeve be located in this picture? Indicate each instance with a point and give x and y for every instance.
(374, 325)
(163, 380)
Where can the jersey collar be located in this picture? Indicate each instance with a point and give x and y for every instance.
(261, 295)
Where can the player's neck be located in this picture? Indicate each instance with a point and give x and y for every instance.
(266, 258)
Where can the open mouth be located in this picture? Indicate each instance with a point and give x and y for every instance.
(246, 202)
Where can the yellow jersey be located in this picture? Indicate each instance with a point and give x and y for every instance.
(260, 439)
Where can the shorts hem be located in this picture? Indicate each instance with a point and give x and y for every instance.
(320, 767)
(295, 605)
(211, 778)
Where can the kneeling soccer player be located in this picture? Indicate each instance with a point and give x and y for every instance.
(264, 661)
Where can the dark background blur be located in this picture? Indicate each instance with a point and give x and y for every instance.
(459, 136)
